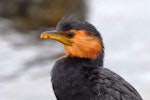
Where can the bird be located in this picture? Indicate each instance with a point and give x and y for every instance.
(80, 73)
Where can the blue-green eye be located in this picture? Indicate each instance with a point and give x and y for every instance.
(70, 34)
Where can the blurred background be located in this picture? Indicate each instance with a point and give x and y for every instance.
(26, 60)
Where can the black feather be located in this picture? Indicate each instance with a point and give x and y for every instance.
(72, 22)
(83, 79)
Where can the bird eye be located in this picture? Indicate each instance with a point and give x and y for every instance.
(70, 35)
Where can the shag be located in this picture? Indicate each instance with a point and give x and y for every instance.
(80, 75)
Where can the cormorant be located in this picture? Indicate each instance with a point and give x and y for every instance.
(80, 75)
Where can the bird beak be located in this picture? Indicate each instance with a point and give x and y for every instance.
(55, 35)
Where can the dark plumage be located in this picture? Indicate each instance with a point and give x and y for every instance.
(71, 22)
(83, 79)
(80, 75)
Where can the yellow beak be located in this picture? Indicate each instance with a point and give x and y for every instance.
(54, 35)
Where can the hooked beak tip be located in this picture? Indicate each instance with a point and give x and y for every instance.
(44, 35)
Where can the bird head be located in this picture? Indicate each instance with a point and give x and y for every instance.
(80, 39)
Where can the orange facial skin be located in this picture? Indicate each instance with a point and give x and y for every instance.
(84, 45)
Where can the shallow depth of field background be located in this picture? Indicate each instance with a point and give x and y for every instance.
(26, 60)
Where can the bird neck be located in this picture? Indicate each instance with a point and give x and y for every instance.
(85, 61)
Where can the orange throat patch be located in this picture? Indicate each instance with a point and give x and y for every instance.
(90, 48)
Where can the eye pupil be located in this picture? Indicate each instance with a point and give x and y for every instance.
(71, 34)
